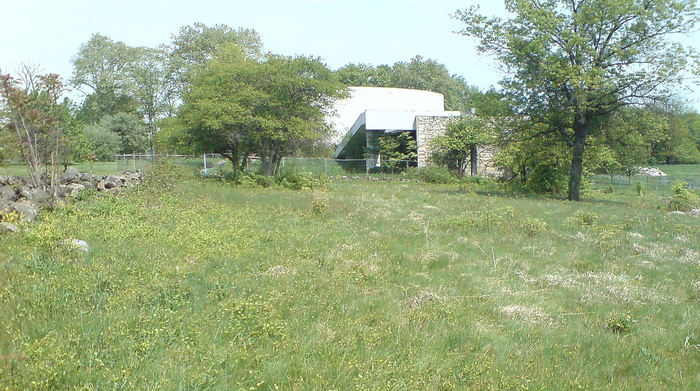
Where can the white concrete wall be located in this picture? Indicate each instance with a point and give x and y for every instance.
(382, 99)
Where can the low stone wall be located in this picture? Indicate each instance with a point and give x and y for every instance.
(18, 195)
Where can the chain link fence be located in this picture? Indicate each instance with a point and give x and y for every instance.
(209, 163)
(633, 182)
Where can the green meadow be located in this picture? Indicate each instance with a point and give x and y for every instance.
(362, 285)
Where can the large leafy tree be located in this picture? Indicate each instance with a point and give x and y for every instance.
(104, 71)
(237, 106)
(572, 63)
(194, 45)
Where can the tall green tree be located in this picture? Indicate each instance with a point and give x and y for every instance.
(194, 45)
(153, 91)
(572, 63)
(237, 106)
(104, 71)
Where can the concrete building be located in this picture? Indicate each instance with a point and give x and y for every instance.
(370, 111)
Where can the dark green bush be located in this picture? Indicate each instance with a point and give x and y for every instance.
(433, 174)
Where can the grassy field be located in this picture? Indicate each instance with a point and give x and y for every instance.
(365, 286)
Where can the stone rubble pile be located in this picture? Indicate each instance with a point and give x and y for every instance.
(650, 171)
(18, 195)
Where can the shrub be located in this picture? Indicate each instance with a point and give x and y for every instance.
(620, 324)
(533, 226)
(683, 199)
(291, 178)
(433, 174)
(583, 219)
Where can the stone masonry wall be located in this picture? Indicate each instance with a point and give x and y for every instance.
(427, 128)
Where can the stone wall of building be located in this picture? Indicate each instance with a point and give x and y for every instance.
(427, 128)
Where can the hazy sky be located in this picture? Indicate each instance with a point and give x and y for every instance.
(49, 32)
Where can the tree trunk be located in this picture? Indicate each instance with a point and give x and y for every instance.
(474, 160)
(576, 174)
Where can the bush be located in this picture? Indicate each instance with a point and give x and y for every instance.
(292, 178)
(432, 174)
(683, 199)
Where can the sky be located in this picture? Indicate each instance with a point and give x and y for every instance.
(49, 33)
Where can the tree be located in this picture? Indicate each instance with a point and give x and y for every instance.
(130, 130)
(460, 142)
(393, 150)
(153, 93)
(36, 117)
(194, 45)
(237, 106)
(676, 143)
(364, 75)
(104, 69)
(419, 74)
(572, 63)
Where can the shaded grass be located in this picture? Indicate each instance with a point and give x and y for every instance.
(371, 285)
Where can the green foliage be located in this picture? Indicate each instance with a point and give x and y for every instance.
(537, 164)
(684, 199)
(238, 106)
(291, 178)
(32, 112)
(394, 150)
(620, 324)
(583, 219)
(460, 142)
(130, 130)
(100, 143)
(563, 78)
(533, 226)
(432, 174)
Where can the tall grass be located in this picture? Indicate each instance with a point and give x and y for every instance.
(367, 285)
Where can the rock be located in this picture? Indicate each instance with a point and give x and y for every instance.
(76, 245)
(73, 189)
(118, 180)
(88, 185)
(694, 212)
(28, 211)
(40, 197)
(71, 175)
(8, 193)
(6, 206)
(9, 180)
(8, 227)
(649, 171)
(677, 213)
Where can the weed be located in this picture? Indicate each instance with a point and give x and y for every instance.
(533, 226)
(583, 219)
(619, 324)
